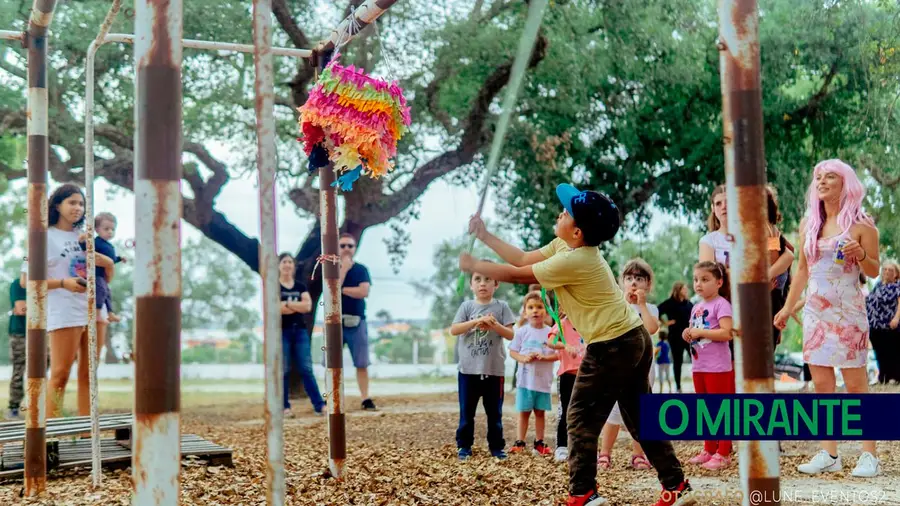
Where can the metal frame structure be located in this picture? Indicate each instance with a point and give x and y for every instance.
(158, 51)
(156, 182)
(745, 177)
(364, 15)
(268, 249)
(96, 471)
(36, 40)
(267, 166)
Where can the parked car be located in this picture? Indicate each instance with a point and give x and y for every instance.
(792, 365)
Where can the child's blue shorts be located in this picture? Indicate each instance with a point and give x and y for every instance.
(530, 400)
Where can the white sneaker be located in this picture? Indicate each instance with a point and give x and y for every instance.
(821, 463)
(867, 466)
(561, 454)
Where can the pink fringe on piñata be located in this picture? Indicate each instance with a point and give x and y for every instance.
(357, 118)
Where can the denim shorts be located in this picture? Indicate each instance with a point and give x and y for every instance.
(357, 340)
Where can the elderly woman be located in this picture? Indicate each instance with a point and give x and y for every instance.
(883, 312)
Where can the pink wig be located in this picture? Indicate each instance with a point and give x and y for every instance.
(850, 212)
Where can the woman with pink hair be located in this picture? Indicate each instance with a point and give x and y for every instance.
(839, 241)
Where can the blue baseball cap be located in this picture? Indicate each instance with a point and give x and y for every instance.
(594, 213)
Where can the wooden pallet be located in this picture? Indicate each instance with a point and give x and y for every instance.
(65, 452)
(113, 454)
(59, 427)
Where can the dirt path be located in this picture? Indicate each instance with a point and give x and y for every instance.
(405, 455)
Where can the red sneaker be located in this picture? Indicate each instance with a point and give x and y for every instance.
(541, 449)
(592, 498)
(681, 496)
(518, 447)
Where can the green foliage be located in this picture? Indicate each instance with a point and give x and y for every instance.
(218, 292)
(442, 285)
(672, 254)
(12, 242)
(398, 348)
(792, 337)
(236, 353)
(628, 102)
(216, 288)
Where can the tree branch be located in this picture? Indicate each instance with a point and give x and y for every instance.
(306, 198)
(289, 25)
(474, 138)
(432, 92)
(11, 69)
(115, 135)
(816, 100)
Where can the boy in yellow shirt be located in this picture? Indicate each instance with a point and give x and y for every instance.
(619, 352)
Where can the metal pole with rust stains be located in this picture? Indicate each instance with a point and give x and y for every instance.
(264, 87)
(38, 156)
(157, 275)
(363, 16)
(745, 176)
(331, 294)
(96, 471)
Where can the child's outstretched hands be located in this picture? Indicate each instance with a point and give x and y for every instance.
(477, 227)
(466, 262)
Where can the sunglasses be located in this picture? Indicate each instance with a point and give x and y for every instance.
(348, 246)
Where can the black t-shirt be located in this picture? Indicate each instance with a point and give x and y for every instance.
(357, 275)
(292, 295)
(678, 311)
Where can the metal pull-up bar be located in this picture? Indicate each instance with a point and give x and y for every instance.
(127, 38)
(12, 35)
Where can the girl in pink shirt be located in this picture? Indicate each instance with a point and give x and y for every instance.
(570, 356)
(708, 336)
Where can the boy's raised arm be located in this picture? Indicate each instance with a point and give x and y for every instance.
(509, 253)
(498, 272)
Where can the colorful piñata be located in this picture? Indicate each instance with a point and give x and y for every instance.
(355, 121)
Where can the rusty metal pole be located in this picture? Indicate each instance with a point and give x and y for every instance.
(38, 157)
(364, 15)
(157, 276)
(745, 177)
(264, 87)
(331, 294)
(96, 471)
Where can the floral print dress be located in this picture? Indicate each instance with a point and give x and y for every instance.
(835, 328)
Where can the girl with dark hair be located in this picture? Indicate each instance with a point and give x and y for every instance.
(708, 335)
(677, 311)
(67, 311)
(295, 341)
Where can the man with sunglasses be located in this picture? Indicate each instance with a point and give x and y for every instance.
(355, 282)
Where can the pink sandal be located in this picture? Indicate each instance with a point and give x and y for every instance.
(640, 462)
(603, 461)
